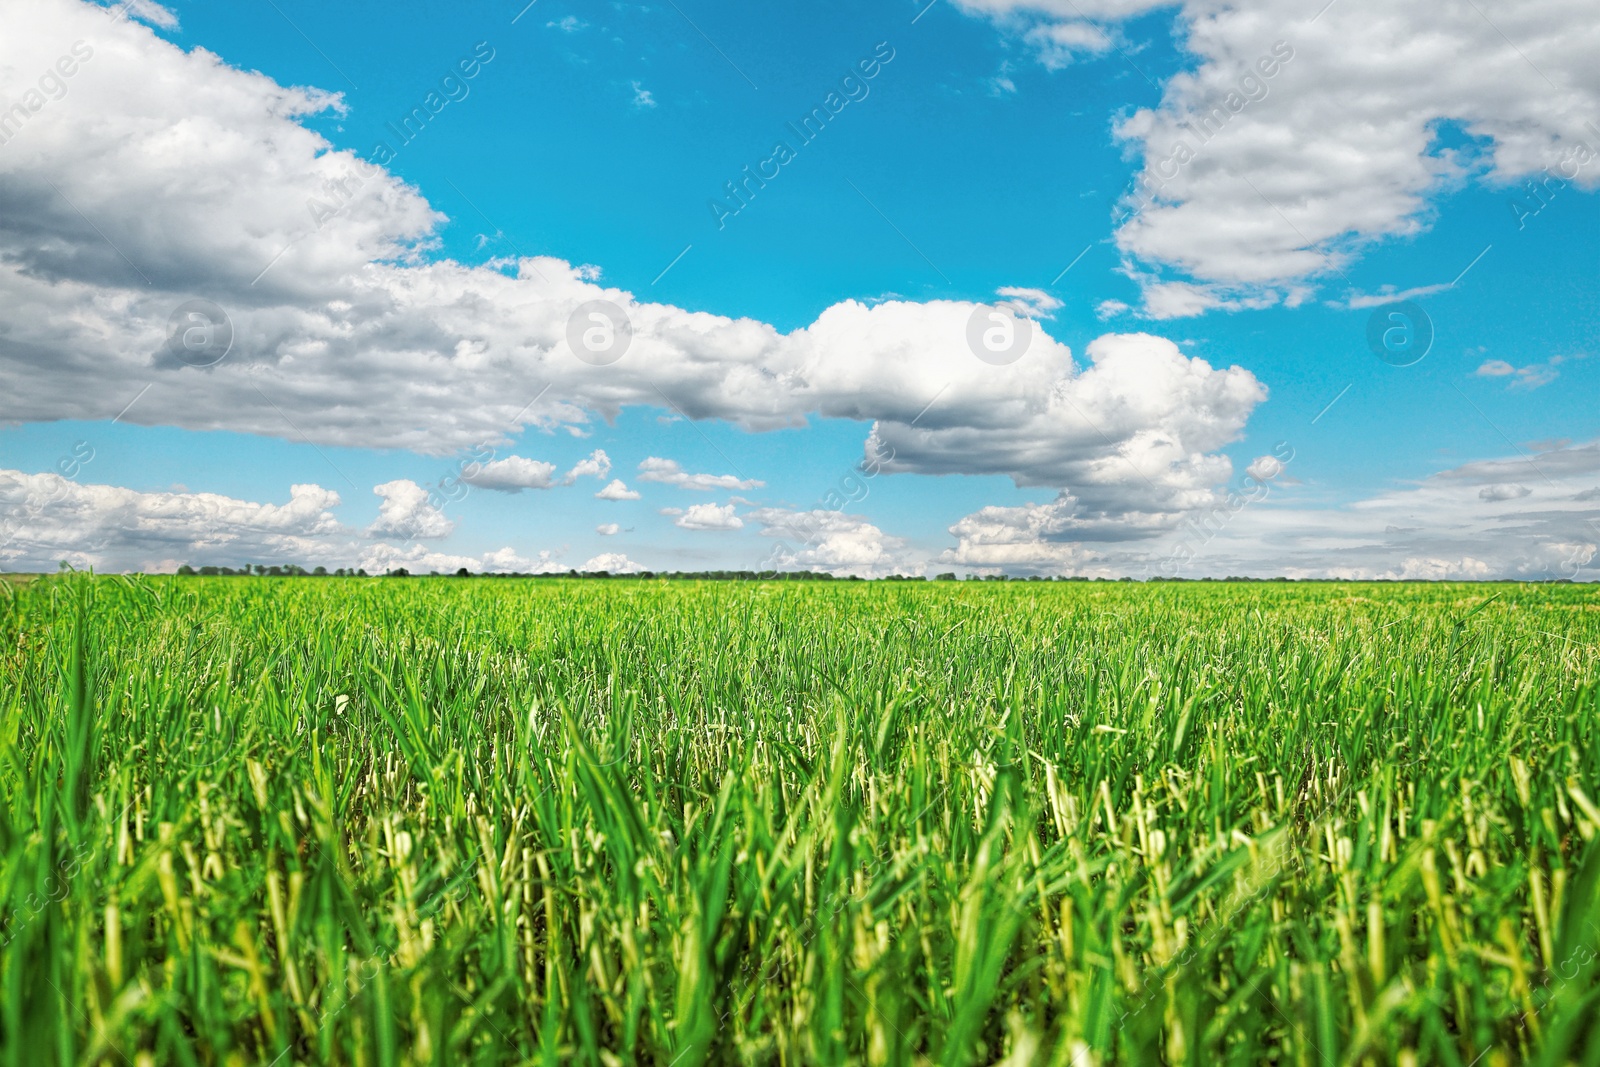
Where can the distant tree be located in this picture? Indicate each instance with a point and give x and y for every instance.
(463, 573)
(186, 570)
(320, 572)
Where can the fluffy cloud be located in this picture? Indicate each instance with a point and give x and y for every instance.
(596, 465)
(507, 560)
(49, 518)
(616, 490)
(1134, 436)
(1265, 468)
(340, 327)
(511, 474)
(612, 563)
(1234, 192)
(832, 542)
(709, 517)
(406, 513)
(608, 529)
(1529, 517)
(668, 472)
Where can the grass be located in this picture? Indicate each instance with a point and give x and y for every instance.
(416, 821)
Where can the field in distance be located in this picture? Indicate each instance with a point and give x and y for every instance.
(416, 821)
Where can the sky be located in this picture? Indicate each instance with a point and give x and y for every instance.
(1110, 288)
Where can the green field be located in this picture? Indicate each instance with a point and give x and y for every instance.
(401, 821)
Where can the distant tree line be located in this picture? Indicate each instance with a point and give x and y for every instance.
(257, 570)
(291, 570)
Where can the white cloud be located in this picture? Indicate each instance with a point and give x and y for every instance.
(1060, 32)
(1180, 300)
(596, 465)
(1265, 468)
(511, 474)
(344, 330)
(1529, 377)
(406, 513)
(149, 11)
(1237, 192)
(668, 472)
(832, 542)
(642, 97)
(1522, 517)
(612, 563)
(709, 517)
(45, 518)
(1033, 303)
(608, 529)
(1134, 435)
(1042, 538)
(508, 560)
(616, 490)
(1389, 295)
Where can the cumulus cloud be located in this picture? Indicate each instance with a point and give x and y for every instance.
(47, 518)
(406, 513)
(832, 542)
(1231, 192)
(612, 563)
(1265, 468)
(608, 529)
(509, 561)
(616, 490)
(1528, 517)
(709, 517)
(511, 474)
(1053, 538)
(596, 465)
(1133, 436)
(345, 329)
(668, 472)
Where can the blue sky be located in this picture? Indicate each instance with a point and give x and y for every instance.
(989, 152)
